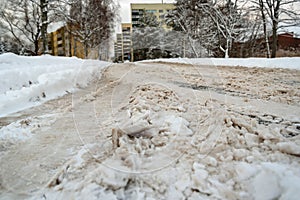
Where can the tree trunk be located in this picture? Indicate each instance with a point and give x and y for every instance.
(261, 4)
(193, 47)
(36, 47)
(274, 39)
(226, 53)
(86, 50)
(44, 11)
(75, 46)
(275, 21)
(184, 48)
(267, 41)
(70, 44)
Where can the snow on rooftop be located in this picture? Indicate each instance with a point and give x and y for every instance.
(293, 29)
(55, 26)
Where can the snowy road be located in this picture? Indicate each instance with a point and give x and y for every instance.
(180, 131)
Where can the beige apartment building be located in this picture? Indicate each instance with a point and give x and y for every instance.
(157, 9)
(123, 45)
(118, 47)
(127, 41)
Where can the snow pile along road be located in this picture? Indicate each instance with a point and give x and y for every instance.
(29, 81)
(286, 63)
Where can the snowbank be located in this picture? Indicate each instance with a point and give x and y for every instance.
(29, 81)
(288, 63)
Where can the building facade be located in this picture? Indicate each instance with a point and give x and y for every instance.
(157, 9)
(123, 44)
(118, 48)
(61, 42)
(127, 41)
(287, 45)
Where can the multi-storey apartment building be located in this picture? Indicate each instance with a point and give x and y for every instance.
(124, 42)
(157, 9)
(127, 41)
(61, 42)
(118, 47)
(123, 45)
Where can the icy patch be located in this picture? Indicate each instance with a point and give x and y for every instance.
(22, 130)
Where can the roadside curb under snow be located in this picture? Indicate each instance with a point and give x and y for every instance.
(285, 63)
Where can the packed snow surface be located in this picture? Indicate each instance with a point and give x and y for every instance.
(286, 63)
(182, 129)
(28, 81)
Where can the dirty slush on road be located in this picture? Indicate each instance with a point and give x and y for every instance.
(161, 131)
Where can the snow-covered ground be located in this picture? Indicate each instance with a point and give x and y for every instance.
(153, 130)
(285, 63)
(29, 81)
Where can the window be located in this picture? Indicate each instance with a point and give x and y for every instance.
(61, 53)
(161, 11)
(127, 29)
(135, 12)
(151, 11)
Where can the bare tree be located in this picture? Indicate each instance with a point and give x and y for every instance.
(44, 20)
(227, 19)
(189, 18)
(264, 21)
(27, 21)
(280, 14)
(22, 18)
(210, 23)
(91, 22)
